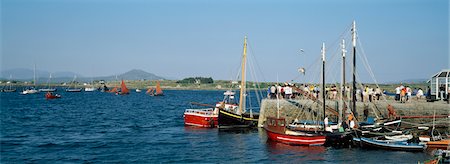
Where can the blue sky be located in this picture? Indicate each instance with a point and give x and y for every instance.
(402, 39)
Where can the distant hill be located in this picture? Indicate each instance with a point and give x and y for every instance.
(23, 74)
(26, 74)
(409, 81)
(134, 74)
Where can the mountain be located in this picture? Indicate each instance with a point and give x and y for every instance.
(408, 81)
(27, 74)
(134, 74)
(60, 77)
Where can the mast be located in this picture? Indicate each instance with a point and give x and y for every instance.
(354, 69)
(323, 82)
(342, 86)
(34, 76)
(243, 89)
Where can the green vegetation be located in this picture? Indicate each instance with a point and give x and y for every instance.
(196, 80)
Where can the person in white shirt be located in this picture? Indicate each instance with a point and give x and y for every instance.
(397, 93)
(287, 92)
(419, 94)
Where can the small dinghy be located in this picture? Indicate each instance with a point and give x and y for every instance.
(49, 95)
(388, 145)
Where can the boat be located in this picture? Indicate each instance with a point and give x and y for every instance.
(49, 95)
(155, 92)
(9, 86)
(74, 89)
(403, 146)
(441, 144)
(31, 90)
(138, 90)
(403, 137)
(205, 118)
(48, 89)
(299, 134)
(277, 131)
(235, 118)
(123, 89)
(89, 89)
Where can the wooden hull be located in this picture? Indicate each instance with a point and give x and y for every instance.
(200, 118)
(296, 140)
(52, 96)
(442, 144)
(229, 120)
(402, 146)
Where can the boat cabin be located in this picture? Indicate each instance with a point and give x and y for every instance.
(439, 85)
(277, 125)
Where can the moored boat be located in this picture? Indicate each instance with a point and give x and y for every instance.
(277, 131)
(234, 118)
(73, 89)
(206, 118)
(403, 146)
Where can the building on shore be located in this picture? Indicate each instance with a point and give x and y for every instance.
(439, 85)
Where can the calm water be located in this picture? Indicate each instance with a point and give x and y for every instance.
(102, 127)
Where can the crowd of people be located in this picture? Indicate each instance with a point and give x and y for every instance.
(290, 90)
(404, 93)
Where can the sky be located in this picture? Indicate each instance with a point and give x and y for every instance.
(401, 39)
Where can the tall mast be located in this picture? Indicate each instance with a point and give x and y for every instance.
(342, 86)
(354, 69)
(34, 75)
(323, 81)
(243, 89)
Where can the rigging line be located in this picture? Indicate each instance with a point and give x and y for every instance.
(254, 58)
(257, 89)
(367, 66)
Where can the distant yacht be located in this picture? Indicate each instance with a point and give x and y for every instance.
(48, 89)
(31, 90)
(8, 87)
(69, 89)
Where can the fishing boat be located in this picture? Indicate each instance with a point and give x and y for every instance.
(123, 89)
(155, 92)
(49, 95)
(387, 145)
(74, 89)
(277, 130)
(205, 118)
(48, 89)
(298, 134)
(235, 118)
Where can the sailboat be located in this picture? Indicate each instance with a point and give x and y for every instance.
(31, 90)
(236, 116)
(8, 87)
(91, 88)
(155, 92)
(48, 89)
(280, 131)
(123, 89)
(74, 89)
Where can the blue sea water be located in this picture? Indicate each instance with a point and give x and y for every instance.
(137, 128)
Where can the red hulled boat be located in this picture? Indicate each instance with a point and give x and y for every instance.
(277, 131)
(205, 118)
(49, 95)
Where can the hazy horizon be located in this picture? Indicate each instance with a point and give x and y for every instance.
(402, 39)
